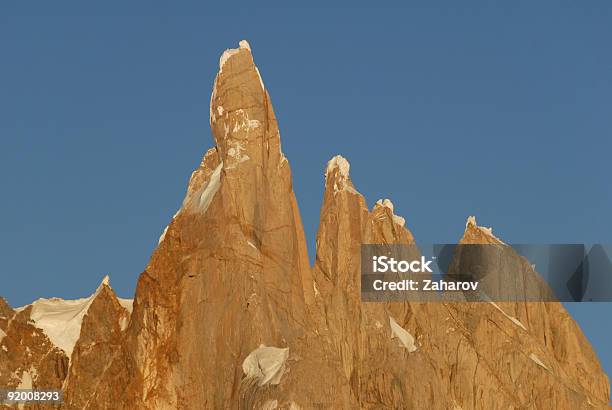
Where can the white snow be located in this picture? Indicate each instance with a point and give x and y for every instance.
(471, 221)
(388, 204)
(315, 288)
(405, 338)
(235, 153)
(252, 245)
(201, 199)
(163, 235)
(338, 162)
(260, 79)
(266, 364)
(26, 379)
(61, 319)
(126, 303)
(399, 220)
(5, 348)
(243, 44)
(123, 323)
(213, 94)
(340, 183)
(226, 55)
(537, 360)
(244, 123)
(26, 382)
(488, 231)
(513, 319)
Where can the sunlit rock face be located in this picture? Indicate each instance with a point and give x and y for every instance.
(228, 313)
(28, 359)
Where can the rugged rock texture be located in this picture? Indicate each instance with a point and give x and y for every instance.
(549, 335)
(62, 344)
(456, 355)
(99, 341)
(28, 359)
(231, 273)
(229, 314)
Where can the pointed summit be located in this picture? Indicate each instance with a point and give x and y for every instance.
(228, 312)
(337, 175)
(242, 45)
(386, 203)
(478, 234)
(241, 115)
(340, 163)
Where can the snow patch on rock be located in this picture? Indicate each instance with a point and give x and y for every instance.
(314, 288)
(226, 55)
(199, 201)
(242, 45)
(399, 220)
(263, 87)
(235, 151)
(471, 221)
(488, 231)
(244, 122)
(61, 319)
(213, 94)
(512, 318)
(338, 162)
(127, 304)
(404, 337)
(123, 322)
(388, 204)
(163, 235)
(27, 377)
(266, 364)
(537, 360)
(341, 182)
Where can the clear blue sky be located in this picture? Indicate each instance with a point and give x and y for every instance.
(498, 109)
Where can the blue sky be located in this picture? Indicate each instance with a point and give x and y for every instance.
(496, 109)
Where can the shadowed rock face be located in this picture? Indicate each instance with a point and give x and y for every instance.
(229, 314)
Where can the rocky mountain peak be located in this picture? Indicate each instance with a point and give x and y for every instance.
(228, 312)
(241, 115)
(337, 176)
(476, 234)
(385, 205)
